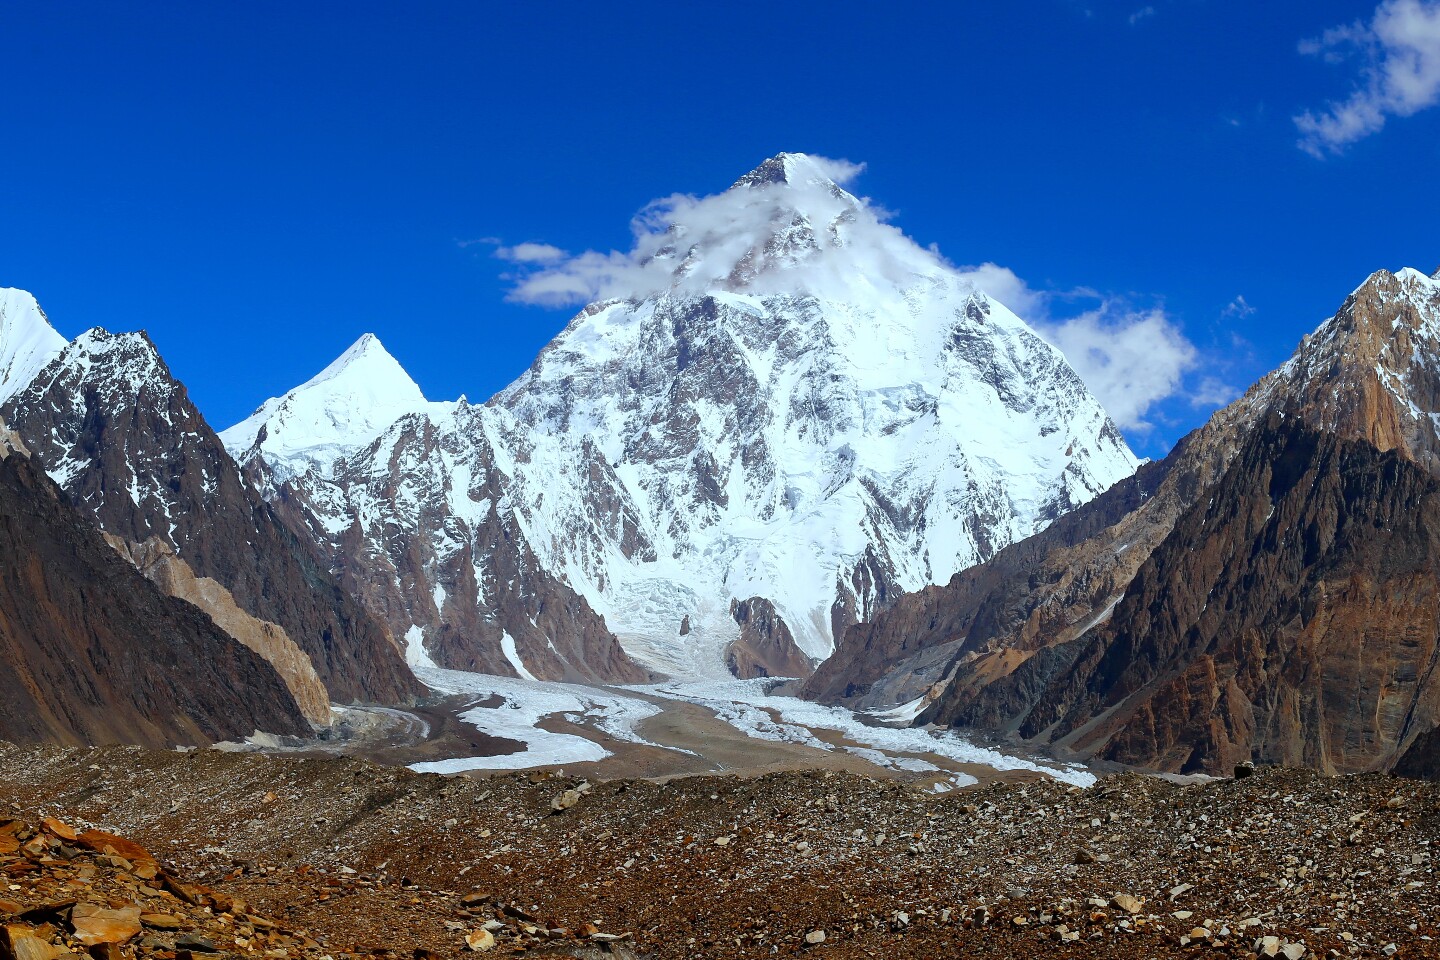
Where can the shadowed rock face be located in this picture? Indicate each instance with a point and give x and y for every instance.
(1291, 617)
(765, 647)
(458, 580)
(123, 440)
(158, 562)
(94, 653)
(1265, 591)
(1422, 759)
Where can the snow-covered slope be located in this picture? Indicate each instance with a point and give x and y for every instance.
(335, 413)
(27, 341)
(782, 398)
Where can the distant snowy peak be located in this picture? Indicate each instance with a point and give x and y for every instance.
(791, 169)
(787, 227)
(777, 402)
(335, 413)
(27, 341)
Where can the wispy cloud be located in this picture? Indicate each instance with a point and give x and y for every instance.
(1131, 358)
(1398, 52)
(1141, 14)
(1239, 308)
(531, 253)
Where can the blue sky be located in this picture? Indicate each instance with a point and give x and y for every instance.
(258, 184)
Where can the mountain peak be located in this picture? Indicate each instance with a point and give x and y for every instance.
(27, 341)
(792, 169)
(1366, 372)
(339, 410)
(367, 358)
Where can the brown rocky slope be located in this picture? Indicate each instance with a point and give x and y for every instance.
(129, 448)
(92, 652)
(1219, 605)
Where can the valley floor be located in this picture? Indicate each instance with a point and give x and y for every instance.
(370, 860)
(480, 724)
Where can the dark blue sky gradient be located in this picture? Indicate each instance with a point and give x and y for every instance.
(257, 184)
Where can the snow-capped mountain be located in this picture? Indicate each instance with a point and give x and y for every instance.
(118, 433)
(335, 413)
(27, 341)
(415, 515)
(778, 398)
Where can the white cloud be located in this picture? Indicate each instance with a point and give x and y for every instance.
(531, 253)
(1131, 359)
(1212, 392)
(1141, 14)
(1239, 308)
(683, 243)
(1399, 51)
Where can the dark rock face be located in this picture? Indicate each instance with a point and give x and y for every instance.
(120, 434)
(94, 653)
(765, 647)
(457, 581)
(1291, 617)
(1029, 587)
(1422, 760)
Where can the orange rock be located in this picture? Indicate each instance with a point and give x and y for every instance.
(94, 924)
(102, 842)
(60, 829)
(19, 942)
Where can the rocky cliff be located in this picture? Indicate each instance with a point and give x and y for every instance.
(94, 653)
(1263, 592)
(765, 647)
(157, 560)
(121, 437)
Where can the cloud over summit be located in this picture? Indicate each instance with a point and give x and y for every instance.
(808, 236)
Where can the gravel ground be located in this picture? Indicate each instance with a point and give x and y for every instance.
(362, 859)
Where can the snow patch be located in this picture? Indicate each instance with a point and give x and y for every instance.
(507, 646)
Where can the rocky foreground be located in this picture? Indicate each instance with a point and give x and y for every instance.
(292, 858)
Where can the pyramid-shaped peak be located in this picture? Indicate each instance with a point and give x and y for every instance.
(366, 364)
(340, 409)
(797, 170)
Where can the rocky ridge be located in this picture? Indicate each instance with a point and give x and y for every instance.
(419, 525)
(121, 437)
(83, 635)
(1218, 606)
